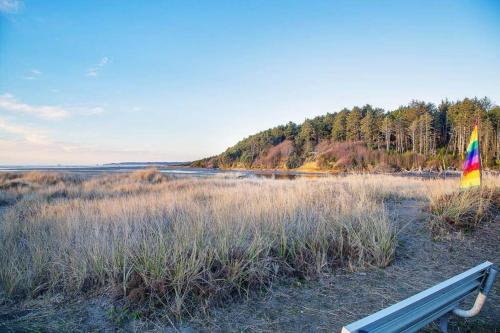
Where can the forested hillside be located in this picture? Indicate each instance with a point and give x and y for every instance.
(419, 135)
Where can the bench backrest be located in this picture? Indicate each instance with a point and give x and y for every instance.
(421, 309)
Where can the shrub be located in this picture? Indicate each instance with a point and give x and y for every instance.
(151, 176)
(43, 178)
(464, 210)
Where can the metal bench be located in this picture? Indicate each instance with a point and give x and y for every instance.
(435, 303)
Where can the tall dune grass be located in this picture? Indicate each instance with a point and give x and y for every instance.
(465, 210)
(184, 243)
(453, 209)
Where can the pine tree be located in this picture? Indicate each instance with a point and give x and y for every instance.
(306, 138)
(387, 129)
(290, 131)
(368, 128)
(339, 126)
(353, 125)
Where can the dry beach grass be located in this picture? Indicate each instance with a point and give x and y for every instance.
(464, 210)
(186, 244)
(188, 241)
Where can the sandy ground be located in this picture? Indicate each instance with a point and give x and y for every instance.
(324, 304)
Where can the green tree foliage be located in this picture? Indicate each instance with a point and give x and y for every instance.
(370, 126)
(387, 130)
(353, 124)
(339, 126)
(290, 131)
(307, 137)
(417, 135)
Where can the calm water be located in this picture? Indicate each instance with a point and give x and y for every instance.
(178, 171)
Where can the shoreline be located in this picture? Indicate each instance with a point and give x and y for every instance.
(187, 170)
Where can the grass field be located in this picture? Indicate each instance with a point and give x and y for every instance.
(187, 245)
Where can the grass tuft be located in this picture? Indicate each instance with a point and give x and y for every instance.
(464, 210)
(151, 176)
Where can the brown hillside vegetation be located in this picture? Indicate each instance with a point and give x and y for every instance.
(345, 156)
(275, 157)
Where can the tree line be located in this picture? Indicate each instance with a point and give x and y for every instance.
(417, 135)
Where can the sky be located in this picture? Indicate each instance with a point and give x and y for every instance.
(90, 82)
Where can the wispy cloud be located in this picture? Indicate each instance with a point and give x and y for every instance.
(10, 6)
(21, 144)
(22, 152)
(95, 69)
(28, 134)
(33, 74)
(9, 103)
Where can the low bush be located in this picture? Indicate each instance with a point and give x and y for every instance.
(151, 176)
(464, 210)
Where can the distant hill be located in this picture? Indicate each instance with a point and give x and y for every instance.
(419, 135)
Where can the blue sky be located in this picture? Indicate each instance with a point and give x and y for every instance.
(85, 82)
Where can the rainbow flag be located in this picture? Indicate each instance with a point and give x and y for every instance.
(471, 170)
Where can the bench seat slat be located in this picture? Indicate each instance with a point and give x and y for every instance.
(426, 312)
(431, 303)
(416, 311)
